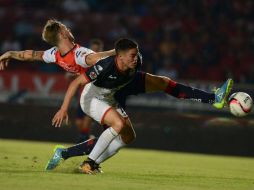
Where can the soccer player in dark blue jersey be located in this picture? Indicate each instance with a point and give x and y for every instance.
(97, 100)
(109, 76)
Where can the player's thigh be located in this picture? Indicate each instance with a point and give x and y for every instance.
(94, 108)
(155, 83)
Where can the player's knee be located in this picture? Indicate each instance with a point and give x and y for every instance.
(162, 83)
(165, 80)
(167, 83)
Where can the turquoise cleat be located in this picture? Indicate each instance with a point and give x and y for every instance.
(221, 94)
(56, 159)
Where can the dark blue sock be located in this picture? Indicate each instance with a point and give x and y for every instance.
(80, 149)
(186, 92)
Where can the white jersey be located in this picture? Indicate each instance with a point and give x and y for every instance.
(73, 61)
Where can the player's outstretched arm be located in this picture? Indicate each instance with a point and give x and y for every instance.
(62, 113)
(93, 58)
(27, 55)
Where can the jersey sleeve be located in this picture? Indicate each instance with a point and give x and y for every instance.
(49, 56)
(95, 71)
(80, 56)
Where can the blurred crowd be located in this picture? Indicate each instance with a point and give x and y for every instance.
(182, 39)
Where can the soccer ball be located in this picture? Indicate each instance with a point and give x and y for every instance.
(240, 104)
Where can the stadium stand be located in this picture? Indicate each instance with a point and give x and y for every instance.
(202, 39)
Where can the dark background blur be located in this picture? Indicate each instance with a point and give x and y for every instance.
(199, 42)
(186, 39)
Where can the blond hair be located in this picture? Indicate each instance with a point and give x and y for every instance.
(50, 31)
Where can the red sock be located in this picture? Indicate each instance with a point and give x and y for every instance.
(171, 85)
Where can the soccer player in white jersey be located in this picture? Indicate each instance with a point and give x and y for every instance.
(66, 53)
(82, 121)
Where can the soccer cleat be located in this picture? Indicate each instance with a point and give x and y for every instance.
(56, 159)
(89, 167)
(222, 93)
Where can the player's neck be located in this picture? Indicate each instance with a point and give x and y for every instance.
(65, 46)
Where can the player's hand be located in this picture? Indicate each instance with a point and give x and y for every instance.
(59, 117)
(4, 60)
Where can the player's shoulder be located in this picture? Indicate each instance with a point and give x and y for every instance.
(80, 55)
(106, 62)
(102, 66)
(52, 50)
(49, 55)
(81, 51)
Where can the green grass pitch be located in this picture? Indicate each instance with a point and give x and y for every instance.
(22, 168)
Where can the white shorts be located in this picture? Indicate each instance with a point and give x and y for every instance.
(95, 102)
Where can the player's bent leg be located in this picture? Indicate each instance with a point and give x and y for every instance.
(102, 112)
(116, 122)
(80, 149)
(126, 136)
(61, 153)
(163, 84)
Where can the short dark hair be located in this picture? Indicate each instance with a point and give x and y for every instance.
(125, 44)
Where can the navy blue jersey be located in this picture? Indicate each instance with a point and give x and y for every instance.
(106, 74)
(135, 87)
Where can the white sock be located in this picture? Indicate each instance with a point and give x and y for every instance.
(103, 142)
(112, 149)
